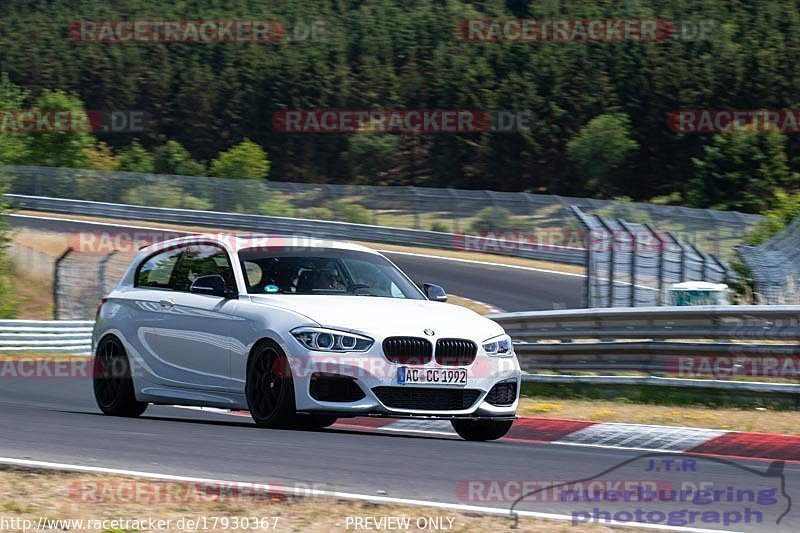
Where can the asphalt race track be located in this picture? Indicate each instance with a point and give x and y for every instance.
(509, 289)
(56, 420)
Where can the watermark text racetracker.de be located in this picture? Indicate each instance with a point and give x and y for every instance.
(516, 241)
(72, 121)
(709, 121)
(456, 121)
(196, 31)
(573, 30)
(765, 366)
(158, 492)
(341, 366)
(132, 241)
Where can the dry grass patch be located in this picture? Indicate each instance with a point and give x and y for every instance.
(59, 496)
(759, 419)
(478, 307)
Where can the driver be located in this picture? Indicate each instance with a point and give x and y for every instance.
(328, 279)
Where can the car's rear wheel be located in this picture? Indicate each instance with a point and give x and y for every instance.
(113, 385)
(482, 429)
(269, 388)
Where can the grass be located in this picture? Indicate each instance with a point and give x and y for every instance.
(661, 395)
(478, 307)
(30, 495)
(673, 407)
(34, 298)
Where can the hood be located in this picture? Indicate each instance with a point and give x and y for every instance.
(385, 317)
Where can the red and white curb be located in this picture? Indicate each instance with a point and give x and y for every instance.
(650, 438)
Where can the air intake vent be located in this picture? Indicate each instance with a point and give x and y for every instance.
(426, 399)
(334, 388)
(408, 350)
(455, 352)
(504, 393)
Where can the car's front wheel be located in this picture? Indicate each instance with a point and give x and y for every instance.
(314, 421)
(269, 388)
(482, 429)
(113, 385)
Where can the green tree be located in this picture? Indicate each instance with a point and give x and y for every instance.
(742, 171)
(173, 158)
(13, 148)
(8, 301)
(786, 209)
(599, 152)
(136, 158)
(61, 148)
(492, 218)
(162, 193)
(246, 160)
(100, 157)
(371, 155)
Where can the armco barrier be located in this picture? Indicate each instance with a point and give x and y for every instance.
(53, 336)
(283, 225)
(605, 340)
(652, 340)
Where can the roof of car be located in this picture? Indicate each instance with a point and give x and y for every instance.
(240, 241)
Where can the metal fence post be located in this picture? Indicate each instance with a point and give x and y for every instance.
(684, 259)
(57, 281)
(590, 259)
(101, 274)
(632, 235)
(612, 266)
(660, 268)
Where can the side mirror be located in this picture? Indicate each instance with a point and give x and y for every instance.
(211, 285)
(434, 292)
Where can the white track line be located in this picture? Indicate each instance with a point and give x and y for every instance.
(109, 224)
(298, 492)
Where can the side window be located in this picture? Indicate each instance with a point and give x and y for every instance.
(203, 260)
(157, 271)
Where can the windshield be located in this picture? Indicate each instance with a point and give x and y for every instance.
(324, 272)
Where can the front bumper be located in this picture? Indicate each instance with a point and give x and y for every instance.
(369, 371)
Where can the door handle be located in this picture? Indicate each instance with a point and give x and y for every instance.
(167, 304)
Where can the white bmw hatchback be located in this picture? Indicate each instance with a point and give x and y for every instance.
(300, 333)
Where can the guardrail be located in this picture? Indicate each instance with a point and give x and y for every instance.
(656, 340)
(649, 340)
(283, 225)
(57, 336)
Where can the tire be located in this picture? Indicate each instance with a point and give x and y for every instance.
(480, 430)
(112, 382)
(270, 388)
(314, 421)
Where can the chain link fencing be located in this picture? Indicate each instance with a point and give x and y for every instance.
(30, 262)
(775, 267)
(635, 250)
(455, 211)
(632, 264)
(82, 279)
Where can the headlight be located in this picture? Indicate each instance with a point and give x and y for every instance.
(499, 347)
(330, 340)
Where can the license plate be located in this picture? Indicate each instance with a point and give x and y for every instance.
(433, 376)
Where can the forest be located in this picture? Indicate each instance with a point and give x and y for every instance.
(600, 109)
